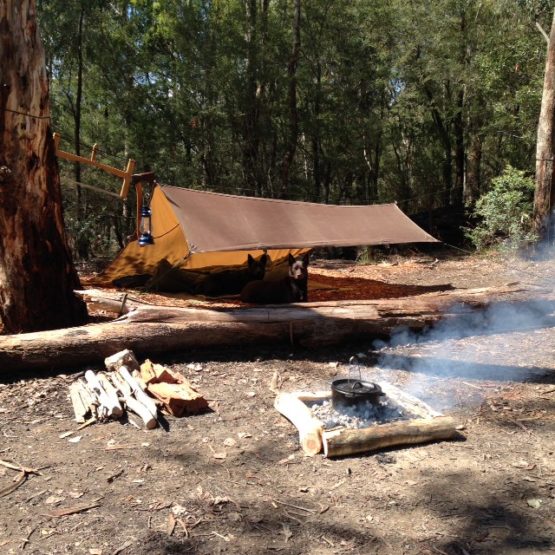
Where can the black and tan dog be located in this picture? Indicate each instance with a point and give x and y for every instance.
(291, 289)
(231, 282)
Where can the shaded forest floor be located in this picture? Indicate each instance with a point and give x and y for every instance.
(235, 481)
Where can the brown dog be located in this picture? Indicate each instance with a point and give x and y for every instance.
(290, 289)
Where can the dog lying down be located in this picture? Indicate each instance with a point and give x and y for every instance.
(231, 282)
(290, 289)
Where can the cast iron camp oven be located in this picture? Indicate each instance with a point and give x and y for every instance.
(349, 392)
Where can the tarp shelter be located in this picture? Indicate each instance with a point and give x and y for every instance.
(202, 231)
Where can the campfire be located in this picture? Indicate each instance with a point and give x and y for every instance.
(356, 404)
(357, 416)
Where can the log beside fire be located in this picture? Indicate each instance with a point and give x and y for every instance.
(350, 441)
(310, 428)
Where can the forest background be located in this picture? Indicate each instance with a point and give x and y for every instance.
(338, 101)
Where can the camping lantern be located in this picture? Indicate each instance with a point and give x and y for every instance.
(146, 227)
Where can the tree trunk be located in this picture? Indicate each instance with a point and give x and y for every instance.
(82, 241)
(459, 119)
(316, 140)
(474, 171)
(37, 276)
(458, 127)
(544, 198)
(291, 144)
(443, 133)
(250, 124)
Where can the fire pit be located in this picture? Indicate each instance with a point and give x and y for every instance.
(359, 413)
(397, 419)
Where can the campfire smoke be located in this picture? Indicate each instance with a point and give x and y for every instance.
(475, 345)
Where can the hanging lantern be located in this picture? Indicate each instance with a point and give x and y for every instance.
(145, 237)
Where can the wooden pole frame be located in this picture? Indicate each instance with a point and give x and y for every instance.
(126, 175)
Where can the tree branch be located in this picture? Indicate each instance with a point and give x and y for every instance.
(542, 31)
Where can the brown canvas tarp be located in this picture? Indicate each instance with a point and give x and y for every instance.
(198, 230)
(217, 222)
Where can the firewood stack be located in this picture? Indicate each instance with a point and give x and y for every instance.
(139, 389)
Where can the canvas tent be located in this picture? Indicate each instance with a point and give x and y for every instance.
(202, 231)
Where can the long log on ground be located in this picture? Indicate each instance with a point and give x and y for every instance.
(152, 330)
(349, 441)
(134, 309)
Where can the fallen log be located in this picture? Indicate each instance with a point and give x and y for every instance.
(152, 329)
(349, 441)
(133, 309)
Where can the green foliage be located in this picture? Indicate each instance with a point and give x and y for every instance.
(423, 103)
(504, 213)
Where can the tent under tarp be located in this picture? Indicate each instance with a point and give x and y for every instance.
(203, 231)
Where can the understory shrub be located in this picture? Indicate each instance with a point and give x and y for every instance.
(504, 214)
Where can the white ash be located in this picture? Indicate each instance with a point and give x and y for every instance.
(361, 415)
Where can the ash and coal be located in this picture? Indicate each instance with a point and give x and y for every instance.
(361, 415)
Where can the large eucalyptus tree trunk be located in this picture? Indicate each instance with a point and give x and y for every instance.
(544, 198)
(37, 276)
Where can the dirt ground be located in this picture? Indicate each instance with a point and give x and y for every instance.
(235, 480)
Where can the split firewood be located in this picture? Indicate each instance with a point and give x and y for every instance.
(138, 392)
(142, 412)
(86, 394)
(79, 408)
(127, 365)
(131, 403)
(310, 428)
(122, 358)
(109, 388)
(88, 397)
(172, 389)
(108, 406)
